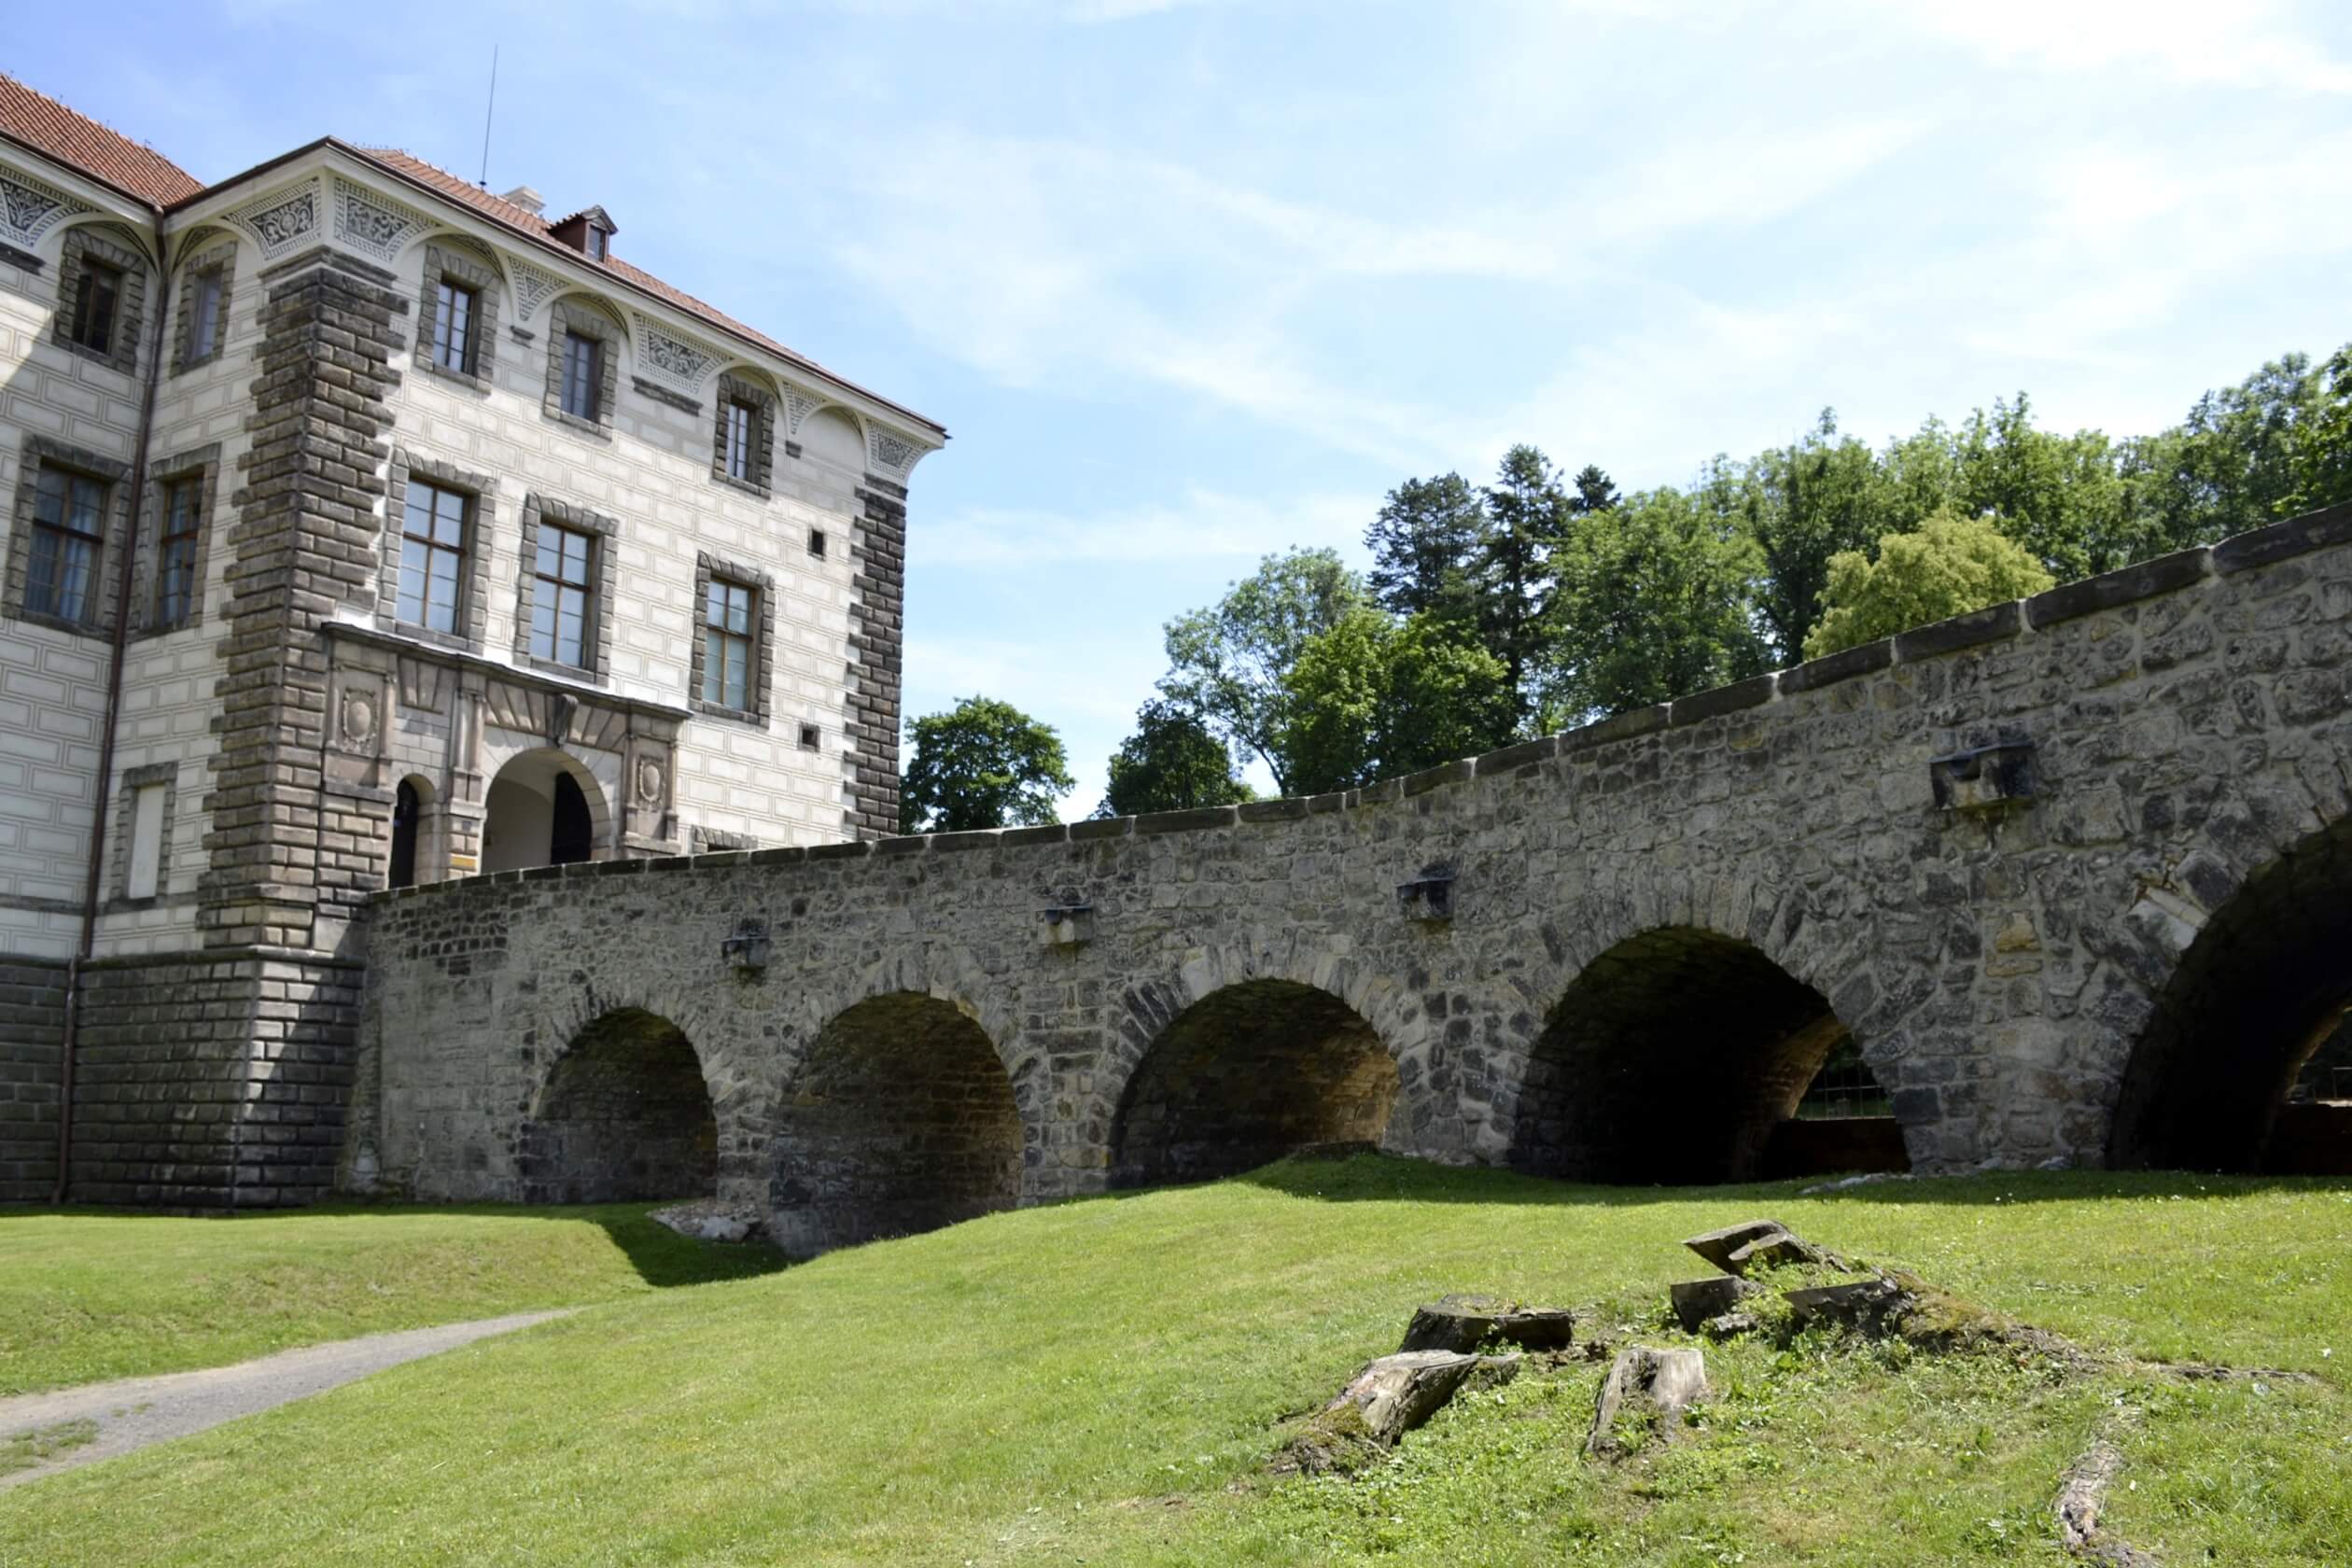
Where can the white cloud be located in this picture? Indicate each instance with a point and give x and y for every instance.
(2245, 43)
(1198, 525)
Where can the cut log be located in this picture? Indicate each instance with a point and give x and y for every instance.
(1697, 1300)
(1783, 1251)
(1871, 1307)
(1728, 1326)
(1718, 1246)
(1454, 1322)
(1383, 1401)
(1644, 1382)
(1464, 1322)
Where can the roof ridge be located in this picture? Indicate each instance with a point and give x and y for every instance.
(73, 117)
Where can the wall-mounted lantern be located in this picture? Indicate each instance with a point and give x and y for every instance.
(1065, 925)
(1428, 897)
(746, 951)
(1986, 776)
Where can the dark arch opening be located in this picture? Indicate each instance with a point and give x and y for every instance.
(1682, 1056)
(1246, 1075)
(2221, 1078)
(406, 809)
(624, 1118)
(573, 833)
(901, 1119)
(541, 808)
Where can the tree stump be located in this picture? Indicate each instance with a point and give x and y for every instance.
(1645, 1381)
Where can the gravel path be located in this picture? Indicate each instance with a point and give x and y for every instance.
(133, 1412)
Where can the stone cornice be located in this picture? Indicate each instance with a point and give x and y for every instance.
(587, 693)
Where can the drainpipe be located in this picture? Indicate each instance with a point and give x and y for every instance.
(114, 714)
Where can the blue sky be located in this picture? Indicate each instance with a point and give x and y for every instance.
(1191, 282)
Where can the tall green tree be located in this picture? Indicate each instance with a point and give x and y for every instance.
(2322, 459)
(2060, 497)
(1949, 565)
(1172, 763)
(1528, 519)
(1803, 503)
(1374, 698)
(982, 764)
(1653, 605)
(1424, 543)
(1595, 490)
(1227, 662)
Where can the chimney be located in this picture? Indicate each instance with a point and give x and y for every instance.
(528, 200)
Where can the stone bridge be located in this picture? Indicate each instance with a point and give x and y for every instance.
(2074, 874)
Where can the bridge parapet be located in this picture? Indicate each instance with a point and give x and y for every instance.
(1625, 892)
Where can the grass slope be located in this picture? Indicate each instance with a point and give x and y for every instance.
(87, 1294)
(1101, 1382)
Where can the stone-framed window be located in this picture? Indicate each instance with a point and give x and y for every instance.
(735, 617)
(101, 299)
(207, 283)
(551, 532)
(457, 317)
(592, 386)
(421, 484)
(64, 541)
(146, 804)
(743, 437)
(816, 543)
(167, 590)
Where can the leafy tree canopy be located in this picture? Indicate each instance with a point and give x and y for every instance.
(1374, 698)
(1949, 565)
(1172, 763)
(982, 764)
(1228, 663)
(1653, 605)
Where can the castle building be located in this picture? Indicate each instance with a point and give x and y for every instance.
(366, 528)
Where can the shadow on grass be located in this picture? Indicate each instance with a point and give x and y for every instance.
(1380, 1178)
(661, 1256)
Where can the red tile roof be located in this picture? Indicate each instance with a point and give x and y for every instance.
(47, 126)
(528, 222)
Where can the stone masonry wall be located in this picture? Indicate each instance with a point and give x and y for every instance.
(32, 1046)
(878, 644)
(2172, 729)
(304, 544)
(213, 1079)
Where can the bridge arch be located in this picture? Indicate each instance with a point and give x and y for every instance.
(1245, 1075)
(900, 1116)
(1680, 1054)
(2263, 984)
(622, 1114)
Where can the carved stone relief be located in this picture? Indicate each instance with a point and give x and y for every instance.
(372, 223)
(281, 222)
(30, 208)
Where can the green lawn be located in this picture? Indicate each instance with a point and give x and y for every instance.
(1100, 1382)
(88, 1294)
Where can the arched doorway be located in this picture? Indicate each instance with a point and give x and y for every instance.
(1675, 1057)
(624, 1115)
(408, 811)
(900, 1119)
(2223, 1076)
(542, 809)
(1246, 1075)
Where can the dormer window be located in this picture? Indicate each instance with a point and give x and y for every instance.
(589, 233)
